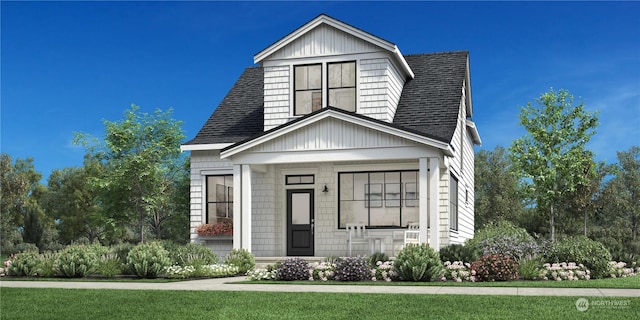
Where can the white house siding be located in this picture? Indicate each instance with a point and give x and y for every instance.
(323, 41)
(380, 88)
(276, 96)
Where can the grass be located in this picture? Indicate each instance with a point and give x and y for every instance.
(23, 303)
(618, 283)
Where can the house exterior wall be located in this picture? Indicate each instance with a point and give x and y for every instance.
(380, 89)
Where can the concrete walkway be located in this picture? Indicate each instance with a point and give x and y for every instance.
(227, 284)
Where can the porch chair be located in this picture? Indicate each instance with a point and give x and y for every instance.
(412, 234)
(356, 233)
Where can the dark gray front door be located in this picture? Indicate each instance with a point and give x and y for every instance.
(300, 222)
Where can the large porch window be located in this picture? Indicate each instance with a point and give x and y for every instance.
(219, 199)
(380, 199)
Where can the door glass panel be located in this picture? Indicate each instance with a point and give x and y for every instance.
(300, 205)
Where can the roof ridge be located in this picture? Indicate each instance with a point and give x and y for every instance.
(436, 53)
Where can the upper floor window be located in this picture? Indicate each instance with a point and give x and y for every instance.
(342, 85)
(340, 88)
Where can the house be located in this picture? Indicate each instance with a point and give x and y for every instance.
(336, 126)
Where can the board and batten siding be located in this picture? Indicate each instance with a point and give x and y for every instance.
(323, 41)
(332, 134)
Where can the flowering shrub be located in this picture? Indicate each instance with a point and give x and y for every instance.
(518, 247)
(458, 271)
(322, 271)
(418, 263)
(261, 274)
(581, 249)
(224, 228)
(383, 271)
(23, 264)
(292, 269)
(352, 269)
(180, 272)
(242, 259)
(208, 271)
(619, 269)
(495, 267)
(564, 271)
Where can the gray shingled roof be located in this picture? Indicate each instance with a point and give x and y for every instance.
(429, 103)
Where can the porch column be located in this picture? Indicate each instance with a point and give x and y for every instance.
(237, 206)
(434, 189)
(246, 207)
(423, 213)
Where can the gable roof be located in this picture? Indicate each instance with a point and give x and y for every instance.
(324, 19)
(429, 103)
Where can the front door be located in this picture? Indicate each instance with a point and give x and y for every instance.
(300, 222)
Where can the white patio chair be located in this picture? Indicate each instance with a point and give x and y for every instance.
(356, 233)
(412, 234)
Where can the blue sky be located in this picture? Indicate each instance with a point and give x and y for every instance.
(66, 66)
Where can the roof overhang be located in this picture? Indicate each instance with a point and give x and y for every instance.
(340, 115)
(201, 147)
(475, 136)
(324, 19)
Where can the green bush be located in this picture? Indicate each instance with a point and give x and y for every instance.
(504, 238)
(109, 265)
(458, 252)
(378, 256)
(418, 263)
(242, 259)
(76, 261)
(25, 264)
(495, 267)
(26, 247)
(47, 264)
(582, 250)
(148, 260)
(193, 254)
(530, 268)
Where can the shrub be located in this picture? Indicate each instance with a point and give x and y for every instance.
(148, 260)
(495, 267)
(418, 263)
(530, 268)
(564, 271)
(26, 247)
(292, 269)
(582, 250)
(47, 264)
(76, 261)
(506, 239)
(620, 269)
(322, 271)
(383, 271)
(24, 264)
(193, 254)
(242, 259)
(262, 274)
(352, 269)
(109, 265)
(458, 252)
(458, 271)
(378, 256)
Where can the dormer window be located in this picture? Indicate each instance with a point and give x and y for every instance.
(340, 87)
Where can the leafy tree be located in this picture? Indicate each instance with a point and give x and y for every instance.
(552, 155)
(140, 154)
(497, 191)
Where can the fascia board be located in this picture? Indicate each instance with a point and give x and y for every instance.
(201, 147)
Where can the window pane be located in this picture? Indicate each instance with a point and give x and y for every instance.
(349, 74)
(301, 78)
(359, 181)
(306, 179)
(335, 75)
(344, 99)
(300, 205)
(346, 186)
(315, 77)
(303, 102)
(316, 100)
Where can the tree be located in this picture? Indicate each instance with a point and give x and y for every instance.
(497, 194)
(552, 155)
(140, 154)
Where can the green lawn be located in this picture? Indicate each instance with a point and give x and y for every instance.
(22, 303)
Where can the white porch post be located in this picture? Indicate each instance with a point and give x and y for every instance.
(246, 207)
(237, 206)
(423, 214)
(434, 189)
